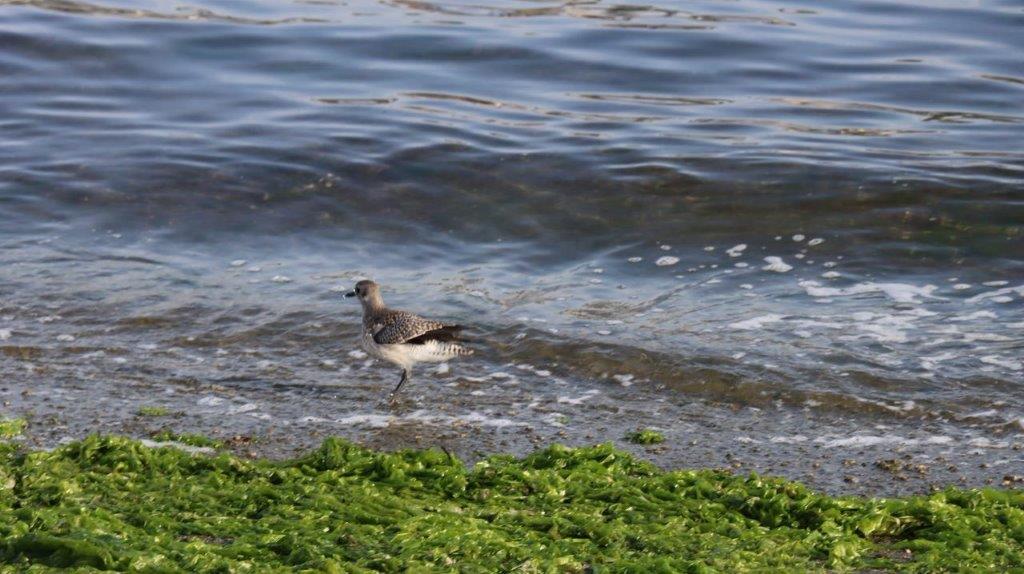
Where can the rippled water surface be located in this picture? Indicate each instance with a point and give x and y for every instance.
(786, 205)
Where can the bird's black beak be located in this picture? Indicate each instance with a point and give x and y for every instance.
(350, 294)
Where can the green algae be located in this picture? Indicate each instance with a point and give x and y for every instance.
(112, 503)
(645, 436)
(152, 412)
(196, 440)
(10, 428)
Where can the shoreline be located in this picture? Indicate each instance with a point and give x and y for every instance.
(834, 455)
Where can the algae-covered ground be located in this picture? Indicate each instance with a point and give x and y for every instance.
(114, 503)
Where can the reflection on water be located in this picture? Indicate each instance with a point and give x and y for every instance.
(768, 204)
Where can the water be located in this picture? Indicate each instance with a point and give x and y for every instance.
(185, 188)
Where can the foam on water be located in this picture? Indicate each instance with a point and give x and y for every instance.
(177, 445)
(757, 322)
(898, 292)
(999, 295)
(776, 264)
(859, 441)
(626, 380)
(1005, 362)
(736, 250)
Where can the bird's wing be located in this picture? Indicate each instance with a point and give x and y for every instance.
(446, 334)
(400, 327)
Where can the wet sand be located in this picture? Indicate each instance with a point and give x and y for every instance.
(476, 415)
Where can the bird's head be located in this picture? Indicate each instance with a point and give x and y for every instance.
(368, 293)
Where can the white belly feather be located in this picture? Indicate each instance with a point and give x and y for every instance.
(406, 355)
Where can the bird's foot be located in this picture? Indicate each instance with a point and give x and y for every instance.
(390, 402)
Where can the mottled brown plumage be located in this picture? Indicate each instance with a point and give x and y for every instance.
(403, 338)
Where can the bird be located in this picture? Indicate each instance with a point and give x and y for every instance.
(402, 338)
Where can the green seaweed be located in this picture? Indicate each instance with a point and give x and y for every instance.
(112, 503)
(10, 428)
(189, 439)
(645, 436)
(153, 412)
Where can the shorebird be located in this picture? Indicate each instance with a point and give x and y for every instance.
(402, 338)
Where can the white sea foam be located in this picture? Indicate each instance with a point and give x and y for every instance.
(997, 294)
(666, 260)
(587, 395)
(974, 316)
(816, 241)
(874, 440)
(373, 420)
(357, 354)
(985, 442)
(757, 322)
(776, 264)
(625, 380)
(798, 237)
(930, 362)
(209, 401)
(884, 333)
(177, 445)
(793, 439)
(5, 334)
(238, 262)
(736, 250)
(65, 337)
(830, 275)
(635, 259)
(245, 408)
(995, 283)
(1005, 362)
(899, 292)
(281, 279)
(485, 419)
(368, 420)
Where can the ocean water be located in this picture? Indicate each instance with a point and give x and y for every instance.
(765, 205)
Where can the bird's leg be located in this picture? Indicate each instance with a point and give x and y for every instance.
(405, 377)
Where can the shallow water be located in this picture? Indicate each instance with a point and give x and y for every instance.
(768, 205)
